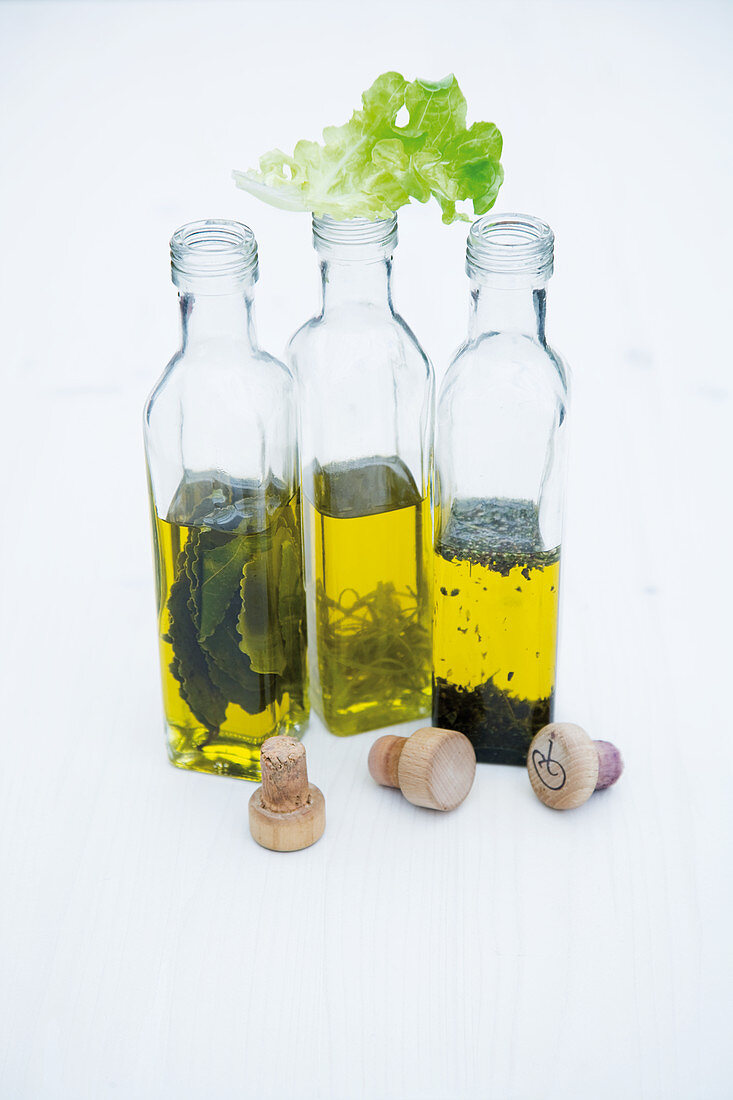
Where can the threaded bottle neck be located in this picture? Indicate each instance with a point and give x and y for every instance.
(510, 252)
(354, 239)
(213, 257)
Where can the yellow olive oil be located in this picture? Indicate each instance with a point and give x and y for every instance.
(368, 544)
(495, 627)
(231, 610)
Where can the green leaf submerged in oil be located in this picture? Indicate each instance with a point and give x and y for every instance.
(230, 643)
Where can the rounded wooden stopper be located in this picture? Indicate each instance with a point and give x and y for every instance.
(565, 767)
(384, 758)
(287, 812)
(433, 768)
(436, 768)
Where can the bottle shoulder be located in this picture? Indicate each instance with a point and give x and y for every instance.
(500, 360)
(350, 336)
(162, 386)
(227, 369)
(412, 339)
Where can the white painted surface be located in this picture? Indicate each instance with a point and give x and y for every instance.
(147, 947)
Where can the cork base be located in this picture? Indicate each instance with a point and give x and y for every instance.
(290, 831)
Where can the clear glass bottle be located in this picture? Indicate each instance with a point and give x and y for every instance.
(220, 441)
(366, 395)
(500, 473)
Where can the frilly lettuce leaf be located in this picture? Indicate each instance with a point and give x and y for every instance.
(371, 166)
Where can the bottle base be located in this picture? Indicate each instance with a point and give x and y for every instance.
(360, 720)
(517, 759)
(499, 726)
(218, 756)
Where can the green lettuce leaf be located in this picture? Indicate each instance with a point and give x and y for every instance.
(371, 166)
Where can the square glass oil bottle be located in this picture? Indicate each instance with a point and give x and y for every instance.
(222, 465)
(500, 470)
(366, 408)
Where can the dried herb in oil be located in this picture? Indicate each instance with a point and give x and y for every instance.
(496, 605)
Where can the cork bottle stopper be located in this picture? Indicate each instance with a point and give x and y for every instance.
(287, 812)
(434, 768)
(565, 766)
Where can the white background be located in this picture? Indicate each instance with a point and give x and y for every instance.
(148, 948)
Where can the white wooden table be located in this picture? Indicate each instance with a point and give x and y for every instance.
(148, 948)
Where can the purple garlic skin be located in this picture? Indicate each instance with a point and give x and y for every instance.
(610, 764)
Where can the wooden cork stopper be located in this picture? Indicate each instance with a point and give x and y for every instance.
(565, 766)
(384, 758)
(287, 812)
(433, 768)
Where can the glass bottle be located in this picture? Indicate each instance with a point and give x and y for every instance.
(220, 431)
(500, 472)
(366, 395)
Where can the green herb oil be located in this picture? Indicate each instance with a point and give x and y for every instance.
(495, 627)
(231, 611)
(368, 537)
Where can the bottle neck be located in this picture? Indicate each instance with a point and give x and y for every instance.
(209, 317)
(520, 310)
(355, 282)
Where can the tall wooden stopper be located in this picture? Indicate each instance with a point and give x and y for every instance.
(565, 766)
(287, 812)
(434, 768)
